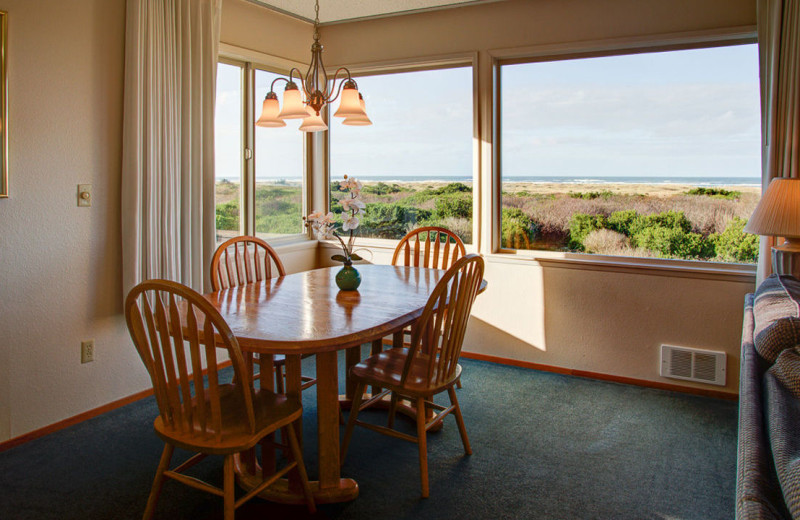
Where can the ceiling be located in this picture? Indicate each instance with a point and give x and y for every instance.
(332, 11)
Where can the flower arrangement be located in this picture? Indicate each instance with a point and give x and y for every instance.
(324, 225)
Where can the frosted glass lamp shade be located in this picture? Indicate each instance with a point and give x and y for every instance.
(293, 107)
(359, 120)
(350, 105)
(778, 212)
(269, 113)
(313, 122)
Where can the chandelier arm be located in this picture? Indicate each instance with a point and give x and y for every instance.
(341, 85)
(272, 85)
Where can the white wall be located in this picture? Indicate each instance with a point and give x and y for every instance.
(60, 280)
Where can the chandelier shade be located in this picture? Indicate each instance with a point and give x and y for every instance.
(269, 113)
(315, 91)
(313, 122)
(293, 107)
(359, 120)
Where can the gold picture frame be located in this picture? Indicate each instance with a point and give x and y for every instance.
(3, 104)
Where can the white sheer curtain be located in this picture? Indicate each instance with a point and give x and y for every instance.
(168, 140)
(779, 57)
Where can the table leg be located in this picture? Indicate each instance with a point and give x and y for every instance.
(329, 487)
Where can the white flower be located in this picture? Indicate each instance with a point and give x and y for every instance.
(350, 222)
(313, 217)
(353, 204)
(353, 185)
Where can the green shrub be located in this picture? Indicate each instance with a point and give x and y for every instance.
(580, 225)
(393, 220)
(382, 188)
(591, 195)
(717, 193)
(227, 215)
(668, 219)
(734, 245)
(673, 242)
(457, 207)
(517, 229)
(621, 221)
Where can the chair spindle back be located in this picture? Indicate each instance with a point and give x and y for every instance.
(173, 328)
(430, 246)
(243, 260)
(439, 334)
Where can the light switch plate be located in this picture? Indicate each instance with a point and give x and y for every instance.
(84, 195)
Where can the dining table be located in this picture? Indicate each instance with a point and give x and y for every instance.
(305, 313)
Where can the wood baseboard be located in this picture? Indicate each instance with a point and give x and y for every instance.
(603, 377)
(89, 414)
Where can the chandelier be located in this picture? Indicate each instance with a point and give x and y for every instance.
(317, 91)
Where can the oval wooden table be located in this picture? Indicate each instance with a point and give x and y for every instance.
(305, 313)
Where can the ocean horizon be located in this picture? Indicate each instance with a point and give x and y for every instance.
(548, 179)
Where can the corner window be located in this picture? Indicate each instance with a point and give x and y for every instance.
(646, 155)
(416, 160)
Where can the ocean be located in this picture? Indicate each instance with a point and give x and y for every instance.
(583, 179)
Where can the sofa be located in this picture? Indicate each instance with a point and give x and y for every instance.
(768, 458)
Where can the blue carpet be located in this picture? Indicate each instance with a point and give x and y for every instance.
(545, 446)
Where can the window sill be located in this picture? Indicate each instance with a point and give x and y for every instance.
(742, 273)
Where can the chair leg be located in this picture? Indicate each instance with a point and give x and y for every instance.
(158, 481)
(279, 379)
(392, 410)
(422, 440)
(358, 396)
(301, 468)
(458, 382)
(459, 420)
(229, 498)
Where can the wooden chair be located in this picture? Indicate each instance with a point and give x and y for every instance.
(428, 367)
(440, 249)
(430, 246)
(173, 327)
(247, 259)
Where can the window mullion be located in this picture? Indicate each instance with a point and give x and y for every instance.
(248, 153)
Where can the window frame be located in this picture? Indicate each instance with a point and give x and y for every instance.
(250, 61)
(594, 49)
(450, 61)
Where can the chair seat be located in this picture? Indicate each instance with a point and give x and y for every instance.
(272, 411)
(385, 369)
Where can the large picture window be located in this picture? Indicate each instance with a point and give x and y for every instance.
(648, 155)
(416, 160)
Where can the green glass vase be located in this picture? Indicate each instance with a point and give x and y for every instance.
(348, 278)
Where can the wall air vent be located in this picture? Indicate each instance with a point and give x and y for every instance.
(691, 364)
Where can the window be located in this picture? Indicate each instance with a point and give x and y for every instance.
(416, 160)
(271, 184)
(229, 143)
(648, 155)
(278, 171)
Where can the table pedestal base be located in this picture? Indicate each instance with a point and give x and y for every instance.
(283, 492)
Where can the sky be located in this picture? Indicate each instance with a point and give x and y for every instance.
(679, 113)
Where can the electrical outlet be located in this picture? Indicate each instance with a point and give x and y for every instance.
(87, 351)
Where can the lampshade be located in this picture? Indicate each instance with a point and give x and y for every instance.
(778, 212)
(293, 107)
(269, 112)
(350, 106)
(359, 120)
(313, 122)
